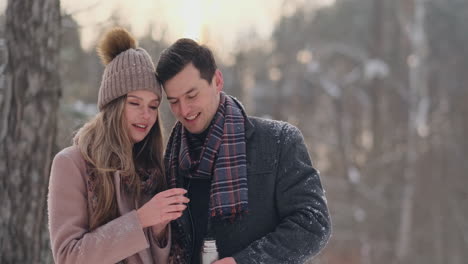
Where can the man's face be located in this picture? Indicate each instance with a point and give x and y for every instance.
(193, 100)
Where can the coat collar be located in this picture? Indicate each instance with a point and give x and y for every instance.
(249, 126)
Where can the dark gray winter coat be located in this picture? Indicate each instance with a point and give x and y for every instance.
(288, 219)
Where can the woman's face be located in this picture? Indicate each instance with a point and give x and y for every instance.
(141, 113)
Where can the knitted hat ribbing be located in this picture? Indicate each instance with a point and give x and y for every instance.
(127, 68)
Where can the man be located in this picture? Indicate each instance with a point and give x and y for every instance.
(250, 181)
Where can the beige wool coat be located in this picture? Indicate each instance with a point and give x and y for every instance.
(69, 208)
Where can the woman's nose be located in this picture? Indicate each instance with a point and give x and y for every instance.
(146, 113)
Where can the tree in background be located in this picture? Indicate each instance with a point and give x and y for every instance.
(379, 90)
(29, 97)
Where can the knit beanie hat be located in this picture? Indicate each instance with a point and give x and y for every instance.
(127, 68)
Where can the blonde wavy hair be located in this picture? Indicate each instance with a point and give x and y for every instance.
(106, 146)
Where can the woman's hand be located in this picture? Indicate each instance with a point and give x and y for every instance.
(163, 208)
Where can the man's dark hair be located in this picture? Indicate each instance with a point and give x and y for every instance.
(180, 54)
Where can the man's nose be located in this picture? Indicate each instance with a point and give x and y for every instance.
(184, 109)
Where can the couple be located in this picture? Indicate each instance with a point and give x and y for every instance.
(245, 182)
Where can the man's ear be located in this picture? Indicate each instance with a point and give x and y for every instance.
(218, 79)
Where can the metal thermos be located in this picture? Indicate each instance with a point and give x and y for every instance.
(209, 253)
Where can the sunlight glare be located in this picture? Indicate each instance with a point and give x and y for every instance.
(192, 19)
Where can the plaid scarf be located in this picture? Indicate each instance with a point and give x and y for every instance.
(222, 159)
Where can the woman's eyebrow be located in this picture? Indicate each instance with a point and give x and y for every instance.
(137, 97)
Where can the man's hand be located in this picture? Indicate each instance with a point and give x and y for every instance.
(225, 261)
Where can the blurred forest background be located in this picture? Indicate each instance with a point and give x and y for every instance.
(378, 88)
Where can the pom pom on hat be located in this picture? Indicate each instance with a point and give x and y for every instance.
(113, 43)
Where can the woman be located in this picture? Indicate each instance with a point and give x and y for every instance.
(107, 199)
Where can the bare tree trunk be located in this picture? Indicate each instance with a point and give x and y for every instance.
(29, 99)
(417, 117)
(376, 51)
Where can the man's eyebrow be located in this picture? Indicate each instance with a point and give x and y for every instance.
(189, 91)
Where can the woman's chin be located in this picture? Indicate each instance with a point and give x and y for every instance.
(137, 140)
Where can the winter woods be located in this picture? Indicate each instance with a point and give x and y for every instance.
(378, 89)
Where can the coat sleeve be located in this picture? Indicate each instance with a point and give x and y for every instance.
(160, 250)
(305, 224)
(71, 240)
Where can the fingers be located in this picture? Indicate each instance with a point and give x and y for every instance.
(172, 196)
(172, 192)
(171, 216)
(177, 200)
(175, 208)
(165, 201)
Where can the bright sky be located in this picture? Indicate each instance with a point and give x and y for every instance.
(218, 23)
(207, 21)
